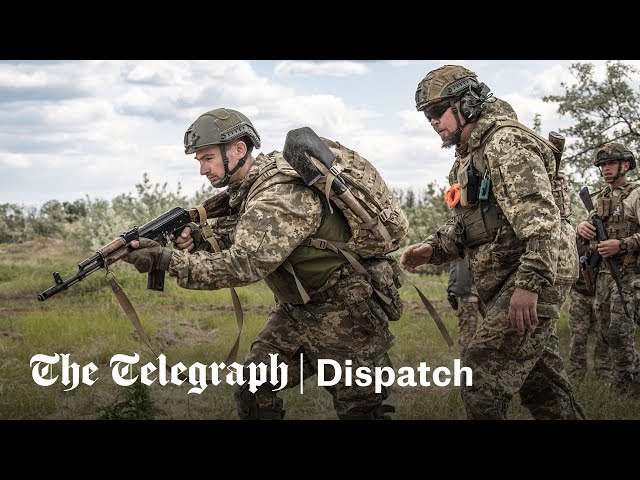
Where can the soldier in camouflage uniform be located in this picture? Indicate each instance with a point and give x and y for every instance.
(343, 319)
(463, 298)
(618, 205)
(582, 321)
(521, 247)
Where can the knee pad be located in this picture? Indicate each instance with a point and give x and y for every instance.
(257, 406)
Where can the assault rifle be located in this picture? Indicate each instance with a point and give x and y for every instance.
(591, 261)
(166, 227)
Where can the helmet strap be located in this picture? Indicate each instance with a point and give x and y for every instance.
(617, 175)
(454, 138)
(225, 161)
(620, 173)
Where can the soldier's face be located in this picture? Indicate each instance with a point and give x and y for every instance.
(212, 163)
(609, 169)
(445, 124)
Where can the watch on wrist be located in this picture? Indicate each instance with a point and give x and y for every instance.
(623, 245)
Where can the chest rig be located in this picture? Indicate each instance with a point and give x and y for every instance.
(477, 216)
(611, 210)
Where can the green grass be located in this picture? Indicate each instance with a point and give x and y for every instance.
(198, 326)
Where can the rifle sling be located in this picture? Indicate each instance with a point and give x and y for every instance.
(131, 313)
(432, 312)
(207, 232)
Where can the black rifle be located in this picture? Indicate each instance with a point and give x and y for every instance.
(601, 235)
(165, 226)
(170, 223)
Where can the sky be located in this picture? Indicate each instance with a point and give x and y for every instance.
(72, 129)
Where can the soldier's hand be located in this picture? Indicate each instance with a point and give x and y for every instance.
(523, 310)
(185, 240)
(148, 255)
(609, 248)
(586, 230)
(416, 255)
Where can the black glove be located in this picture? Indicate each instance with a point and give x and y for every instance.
(453, 300)
(150, 255)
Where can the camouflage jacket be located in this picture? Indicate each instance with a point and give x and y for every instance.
(628, 228)
(271, 226)
(536, 244)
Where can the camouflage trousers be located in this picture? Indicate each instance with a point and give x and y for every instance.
(617, 329)
(467, 314)
(504, 363)
(334, 329)
(582, 321)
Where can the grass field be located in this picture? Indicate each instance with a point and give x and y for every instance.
(197, 326)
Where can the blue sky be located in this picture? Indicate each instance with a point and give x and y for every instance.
(74, 128)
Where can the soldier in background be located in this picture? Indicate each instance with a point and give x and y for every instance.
(463, 298)
(582, 321)
(618, 206)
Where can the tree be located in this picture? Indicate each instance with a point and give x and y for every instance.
(537, 123)
(602, 111)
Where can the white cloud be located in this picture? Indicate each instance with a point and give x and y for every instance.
(404, 63)
(334, 69)
(15, 160)
(94, 127)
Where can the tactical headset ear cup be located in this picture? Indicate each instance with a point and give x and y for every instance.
(470, 106)
(472, 102)
(628, 156)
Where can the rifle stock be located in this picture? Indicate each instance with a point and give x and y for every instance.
(601, 235)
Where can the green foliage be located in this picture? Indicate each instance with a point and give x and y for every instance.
(136, 406)
(99, 220)
(14, 224)
(425, 211)
(537, 123)
(602, 111)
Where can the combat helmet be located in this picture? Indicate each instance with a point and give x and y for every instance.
(614, 151)
(221, 125)
(444, 82)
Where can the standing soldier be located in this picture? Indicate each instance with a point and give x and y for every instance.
(618, 205)
(512, 221)
(463, 298)
(582, 321)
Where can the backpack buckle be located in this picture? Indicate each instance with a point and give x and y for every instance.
(385, 214)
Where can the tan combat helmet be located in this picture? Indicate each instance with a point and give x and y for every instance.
(444, 82)
(614, 151)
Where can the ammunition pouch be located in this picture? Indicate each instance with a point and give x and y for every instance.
(358, 295)
(561, 196)
(385, 278)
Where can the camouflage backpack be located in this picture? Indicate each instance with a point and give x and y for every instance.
(388, 224)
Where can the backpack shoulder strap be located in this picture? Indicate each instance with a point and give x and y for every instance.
(514, 123)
